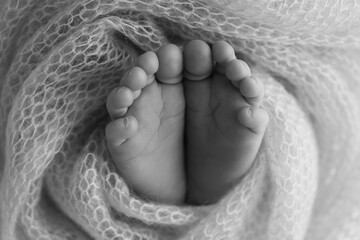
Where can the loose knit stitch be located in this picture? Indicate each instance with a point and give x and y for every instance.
(59, 59)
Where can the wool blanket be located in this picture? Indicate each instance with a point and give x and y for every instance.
(59, 59)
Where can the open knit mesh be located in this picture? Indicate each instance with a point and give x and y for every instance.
(60, 58)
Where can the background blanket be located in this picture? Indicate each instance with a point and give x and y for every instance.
(60, 58)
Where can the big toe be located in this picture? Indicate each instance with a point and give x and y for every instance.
(198, 62)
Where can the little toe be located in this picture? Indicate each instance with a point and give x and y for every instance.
(170, 64)
(253, 118)
(222, 54)
(119, 130)
(118, 101)
(198, 62)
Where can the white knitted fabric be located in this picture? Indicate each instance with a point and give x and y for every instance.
(60, 58)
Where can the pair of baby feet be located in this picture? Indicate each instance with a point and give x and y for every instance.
(186, 125)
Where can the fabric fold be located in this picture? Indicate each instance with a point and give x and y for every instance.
(60, 59)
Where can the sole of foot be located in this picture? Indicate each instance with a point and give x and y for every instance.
(145, 136)
(224, 121)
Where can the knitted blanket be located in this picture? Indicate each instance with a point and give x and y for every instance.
(59, 59)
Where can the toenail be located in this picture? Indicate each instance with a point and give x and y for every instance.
(150, 79)
(249, 111)
(125, 76)
(137, 94)
(121, 90)
(131, 72)
(254, 79)
(126, 121)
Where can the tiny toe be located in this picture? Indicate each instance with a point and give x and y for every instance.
(135, 79)
(254, 118)
(118, 101)
(149, 62)
(236, 70)
(170, 64)
(119, 130)
(198, 63)
(252, 90)
(223, 53)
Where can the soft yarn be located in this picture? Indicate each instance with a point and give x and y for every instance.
(60, 58)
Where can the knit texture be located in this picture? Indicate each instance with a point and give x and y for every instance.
(59, 59)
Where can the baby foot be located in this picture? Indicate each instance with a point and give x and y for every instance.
(145, 137)
(224, 123)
